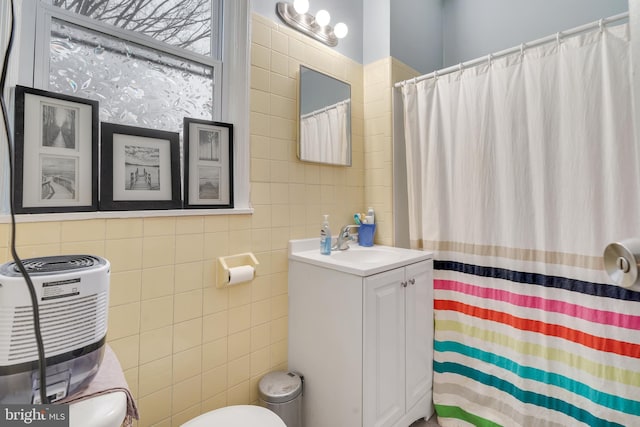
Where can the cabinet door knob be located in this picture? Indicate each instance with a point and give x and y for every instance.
(412, 281)
(403, 284)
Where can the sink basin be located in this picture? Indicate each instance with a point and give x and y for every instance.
(371, 255)
(358, 260)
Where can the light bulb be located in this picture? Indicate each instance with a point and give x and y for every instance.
(341, 30)
(301, 6)
(323, 18)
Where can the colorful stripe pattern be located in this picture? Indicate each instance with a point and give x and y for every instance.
(523, 348)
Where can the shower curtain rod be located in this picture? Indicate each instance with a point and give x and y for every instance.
(548, 39)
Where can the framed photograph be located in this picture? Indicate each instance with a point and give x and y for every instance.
(56, 153)
(208, 164)
(140, 168)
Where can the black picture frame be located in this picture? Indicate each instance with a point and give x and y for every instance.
(134, 168)
(55, 158)
(208, 164)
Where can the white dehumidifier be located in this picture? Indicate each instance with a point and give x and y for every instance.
(73, 299)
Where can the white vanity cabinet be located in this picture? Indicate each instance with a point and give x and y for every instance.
(363, 340)
(398, 344)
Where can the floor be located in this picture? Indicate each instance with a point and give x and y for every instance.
(422, 423)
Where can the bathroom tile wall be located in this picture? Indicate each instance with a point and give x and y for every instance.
(379, 78)
(377, 157)
(187, 347)
(401, 71)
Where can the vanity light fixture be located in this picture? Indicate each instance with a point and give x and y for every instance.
(295, 15)
(341, 30)
(301, 6)
(323, 18)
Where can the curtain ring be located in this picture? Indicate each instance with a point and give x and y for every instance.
(601, 25)
(490, 58)
(558, 38)
(460, 67)
(522, 46)
(435, 75)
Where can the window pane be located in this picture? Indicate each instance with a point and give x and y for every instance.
(182, 23)
(135, 85)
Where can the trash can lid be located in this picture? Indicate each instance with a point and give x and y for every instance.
(280, 387)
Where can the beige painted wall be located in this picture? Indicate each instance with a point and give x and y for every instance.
(187, 347)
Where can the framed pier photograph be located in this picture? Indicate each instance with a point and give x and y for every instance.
(140, 169)
(208, 164)
(56, 152)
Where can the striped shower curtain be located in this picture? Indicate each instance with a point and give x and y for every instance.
(521, 170)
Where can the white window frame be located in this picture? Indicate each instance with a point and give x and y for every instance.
(231, 104)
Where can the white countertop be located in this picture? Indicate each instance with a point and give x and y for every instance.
(358, 260)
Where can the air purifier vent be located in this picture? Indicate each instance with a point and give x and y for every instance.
(58, 263)
(52, 264)
(69, 323)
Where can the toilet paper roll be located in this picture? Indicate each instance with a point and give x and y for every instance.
(241, 274)
(622, 263)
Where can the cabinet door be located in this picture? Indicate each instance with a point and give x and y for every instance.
(419, 330)
(384, 362)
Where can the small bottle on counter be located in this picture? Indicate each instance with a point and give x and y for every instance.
(371, 217)
(325, 237)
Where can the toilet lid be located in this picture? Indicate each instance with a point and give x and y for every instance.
(237, 416)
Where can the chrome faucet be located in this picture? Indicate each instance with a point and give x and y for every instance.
(342, 242)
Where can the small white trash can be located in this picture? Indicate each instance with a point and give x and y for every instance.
(281, 392)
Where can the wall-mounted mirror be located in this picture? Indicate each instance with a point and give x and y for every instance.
(325, 119)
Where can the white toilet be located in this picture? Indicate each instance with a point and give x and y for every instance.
(106, 410)
(237, 416)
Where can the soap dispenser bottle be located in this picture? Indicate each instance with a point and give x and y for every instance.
(325, 237)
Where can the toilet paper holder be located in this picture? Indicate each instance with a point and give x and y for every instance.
(227, 262)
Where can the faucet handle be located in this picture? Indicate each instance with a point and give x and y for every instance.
(342, 243)
(348, 227)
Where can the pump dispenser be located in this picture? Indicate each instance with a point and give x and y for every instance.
(325, 237)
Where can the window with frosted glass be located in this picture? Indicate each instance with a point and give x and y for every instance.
(135, 85)
(186, 24)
